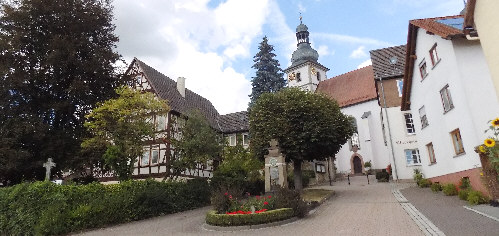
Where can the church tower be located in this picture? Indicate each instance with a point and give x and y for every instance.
(305, 72)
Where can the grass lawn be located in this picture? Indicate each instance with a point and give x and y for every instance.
(310, 195)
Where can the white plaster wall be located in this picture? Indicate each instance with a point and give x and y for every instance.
(461, 68)
(372, 150)
(401, 141)
(308, 81)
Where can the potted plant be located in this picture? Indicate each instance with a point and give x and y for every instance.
(367, 166)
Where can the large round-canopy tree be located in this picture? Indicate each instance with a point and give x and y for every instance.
(307, 126)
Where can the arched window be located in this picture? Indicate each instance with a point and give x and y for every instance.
(354, 140)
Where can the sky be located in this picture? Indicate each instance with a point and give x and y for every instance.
(212, 42)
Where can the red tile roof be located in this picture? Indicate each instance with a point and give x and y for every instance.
(431, 25)
(350, 88)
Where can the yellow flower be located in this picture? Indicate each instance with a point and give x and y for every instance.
(489, 142)
(495, 122)
(481, 148)
(481, 173)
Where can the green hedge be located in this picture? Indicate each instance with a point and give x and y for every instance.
(44, 208)
(213, 218)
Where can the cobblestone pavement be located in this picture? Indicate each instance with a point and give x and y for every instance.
(448, 213)
(356, 209)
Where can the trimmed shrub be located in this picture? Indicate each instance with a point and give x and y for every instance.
(382, 176)
(476, 197)
(44, 208)
(465, 183)
(213, 218)
(436, 187)
(424, 183)
(449, 189)
(288, 198)
(463, 194)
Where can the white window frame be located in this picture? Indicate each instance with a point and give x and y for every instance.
(409, 124)
(245, 139)
(400, 85)
(154, 150)
(159, 126)
(423, 69)
(320, 168)
(232, 140)
(434, 55)
(423, 117)
(145, 159)
(412, 157)
(446, 99)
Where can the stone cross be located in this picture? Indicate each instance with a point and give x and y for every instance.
(48, 165)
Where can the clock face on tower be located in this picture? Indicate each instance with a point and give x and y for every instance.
(313, 71)
(291, 76)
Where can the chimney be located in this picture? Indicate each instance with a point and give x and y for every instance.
(181, 86)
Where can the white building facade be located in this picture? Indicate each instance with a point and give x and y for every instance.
(450, 92)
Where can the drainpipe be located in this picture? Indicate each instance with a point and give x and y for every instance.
(395, 176)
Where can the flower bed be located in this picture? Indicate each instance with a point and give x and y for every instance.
(225, 219)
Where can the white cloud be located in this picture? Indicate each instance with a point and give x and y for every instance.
(364, 64)
(351, 39)
(185, 39)
(301, 8)
(359, 52)
(323, 50)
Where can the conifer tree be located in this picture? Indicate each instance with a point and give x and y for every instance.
(269, 76)
(57, 60)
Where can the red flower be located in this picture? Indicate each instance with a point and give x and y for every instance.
(230, 196)
(269, 197)
(265, 203)
(226, 193)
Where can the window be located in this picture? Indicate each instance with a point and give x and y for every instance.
(400, 84)
(412, 157)
(354, 139)
(318, 76)
(434, 55)
(422, 116)
(145, 157)
(298, 78)
(245, 139)
(160, 123)
(446, 99)
(232, 140)
(155, 156)
(320, 168)
(422, 69)
(409, 124)
(431, 153)
(457, 141)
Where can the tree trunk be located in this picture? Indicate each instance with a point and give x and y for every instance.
(297, 174)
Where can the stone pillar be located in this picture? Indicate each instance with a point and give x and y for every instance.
(275, 168)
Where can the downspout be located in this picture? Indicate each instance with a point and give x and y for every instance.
(389, 131)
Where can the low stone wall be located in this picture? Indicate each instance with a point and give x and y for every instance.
(455, 178)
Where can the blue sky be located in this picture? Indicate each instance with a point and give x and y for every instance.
(212, 43)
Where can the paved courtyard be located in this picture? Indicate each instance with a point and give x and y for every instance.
(356, 209)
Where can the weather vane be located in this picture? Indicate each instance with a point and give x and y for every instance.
(301, 18)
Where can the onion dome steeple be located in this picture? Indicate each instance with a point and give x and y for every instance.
(304, 52)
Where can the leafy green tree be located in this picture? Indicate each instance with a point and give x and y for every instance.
(198, 144)
(269, 76)
(307, 126)
(57, 60)
(122, 125)
(239, 170)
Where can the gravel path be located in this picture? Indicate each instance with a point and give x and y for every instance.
(356, 209)
(448, 213)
